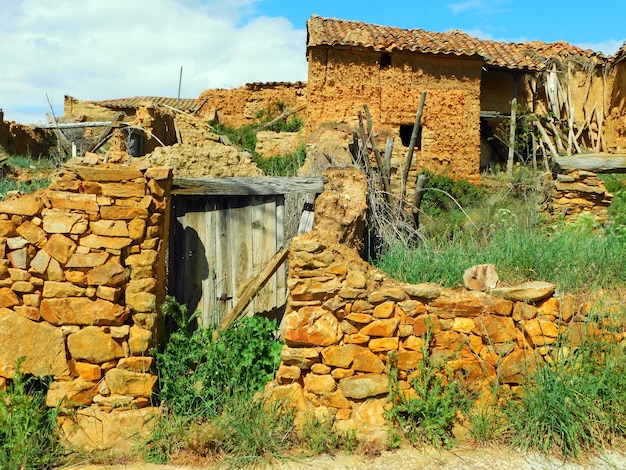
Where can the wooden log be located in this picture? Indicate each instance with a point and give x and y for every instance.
(247, 186)
(417, 199)
(363, 137)
(597, 163)
(546, 139)
(512, 126)
(386, 183)
(284, 115)
(253, 287)
(414, 133)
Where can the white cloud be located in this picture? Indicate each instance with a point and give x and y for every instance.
(465, 5)
(608, 47)
(120, 48)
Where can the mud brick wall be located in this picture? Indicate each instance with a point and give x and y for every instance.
(82, 265)
(344, 319)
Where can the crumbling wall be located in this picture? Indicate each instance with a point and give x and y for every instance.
(240, 106)
(615, 133)
(345, 319)
(20, 139)
(82, 266)
(341, 81)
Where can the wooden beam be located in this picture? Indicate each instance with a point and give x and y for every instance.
(596, 162)
(247, 186)
(417, 125)
(77, 125)
(253, 287)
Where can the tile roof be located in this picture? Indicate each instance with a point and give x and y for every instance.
(516, 56)
(184, 104)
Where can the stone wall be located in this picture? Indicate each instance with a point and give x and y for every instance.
(344, 319)
(578, 192)
(82, 265)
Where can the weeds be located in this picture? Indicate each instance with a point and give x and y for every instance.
(27, 426)
(429, 415)
(209, 385)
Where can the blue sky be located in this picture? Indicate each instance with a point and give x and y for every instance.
(100, 49)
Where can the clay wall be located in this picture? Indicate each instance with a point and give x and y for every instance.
(615, 132)
(341, 81)
(82, 265)
(345, 319)
(240, 106)
(19, 139)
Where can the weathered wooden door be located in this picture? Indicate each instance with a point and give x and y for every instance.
(217, 243)
(223, 232)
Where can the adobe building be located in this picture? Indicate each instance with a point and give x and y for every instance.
(470, 85)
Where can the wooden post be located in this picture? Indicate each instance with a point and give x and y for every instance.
(379, 161)
(513, 126)
(417, 199)
(417, 125)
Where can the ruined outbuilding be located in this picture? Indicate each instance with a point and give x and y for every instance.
(473, 86)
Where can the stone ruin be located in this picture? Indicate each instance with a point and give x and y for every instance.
(82, 265)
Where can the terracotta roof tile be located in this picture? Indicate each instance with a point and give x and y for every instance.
(184, 104)
(518, 56)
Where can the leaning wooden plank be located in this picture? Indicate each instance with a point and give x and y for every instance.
(248, 186)
(254, 287)
(285, 115)
(598, 163)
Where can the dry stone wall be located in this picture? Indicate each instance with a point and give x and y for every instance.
(345, 318)
(578, 192)
(81, 271)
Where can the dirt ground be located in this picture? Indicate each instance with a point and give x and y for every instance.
(407, 458)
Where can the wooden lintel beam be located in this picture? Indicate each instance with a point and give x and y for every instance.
(247, 186)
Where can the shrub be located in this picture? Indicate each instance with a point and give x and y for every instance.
(429, 415)
(27, 426)
(197, 374)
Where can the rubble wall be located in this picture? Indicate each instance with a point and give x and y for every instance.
(240, 106)
(577, 192)
(345, 319)
(19, 139)
(82, 265)
(341, 81)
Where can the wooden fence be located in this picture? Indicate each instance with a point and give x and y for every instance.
(223, 232)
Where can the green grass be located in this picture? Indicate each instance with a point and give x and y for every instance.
(27, 426)
(574, 404)
(245, 138)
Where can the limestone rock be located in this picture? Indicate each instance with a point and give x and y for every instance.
(311, 326)
(82, 311)
(480, 277)
(118, 431)
(42, 346)
(527, 292)
(423, 291)
(364, 386)
(60, 247)
(125, 382)
(93, 345)
(71, 393)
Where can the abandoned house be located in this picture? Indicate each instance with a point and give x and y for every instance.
(474, 87)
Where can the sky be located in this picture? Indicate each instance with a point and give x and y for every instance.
(105, 49)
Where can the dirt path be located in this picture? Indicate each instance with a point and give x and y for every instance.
(459, 458)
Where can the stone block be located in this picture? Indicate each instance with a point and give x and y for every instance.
(92, 344)
(311, 326)
(364, 386)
